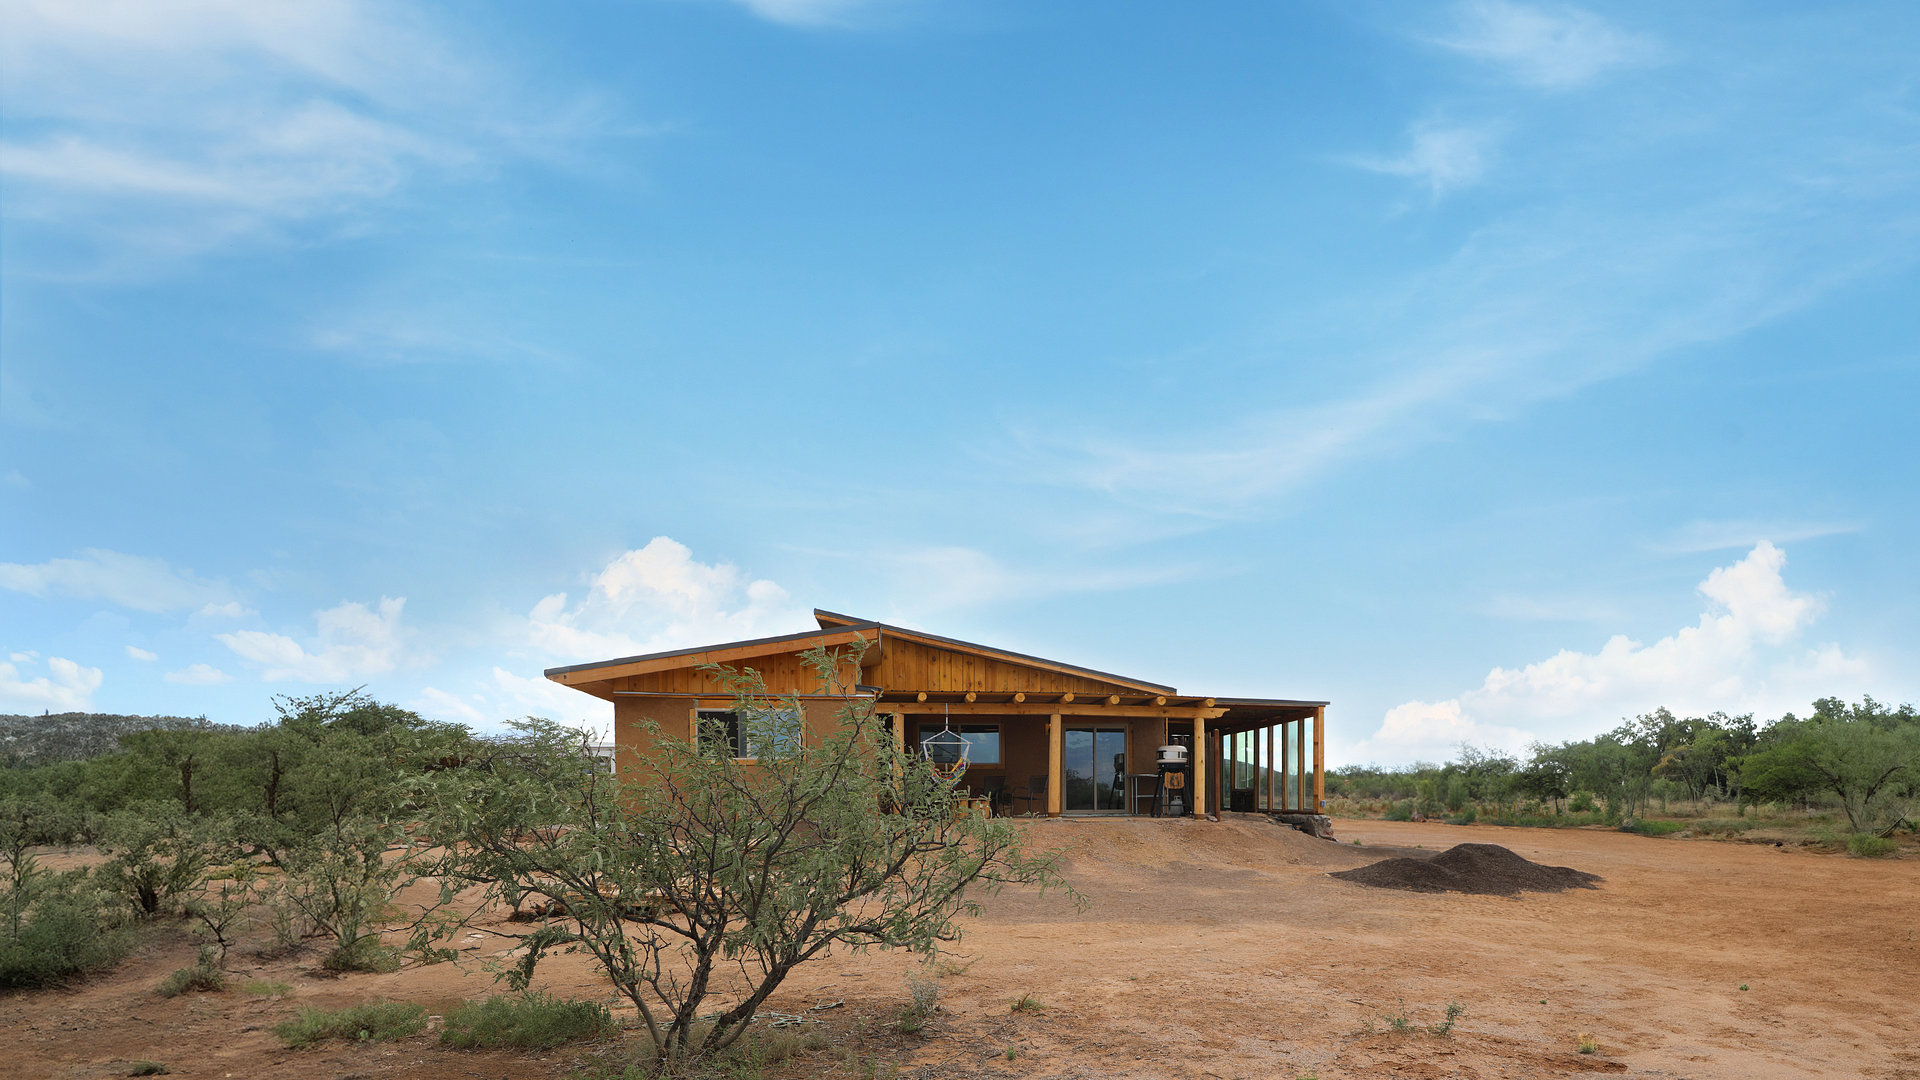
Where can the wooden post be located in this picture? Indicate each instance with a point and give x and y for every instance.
(1320, 760)
(1056, 764)
(1300, 741)
(899, 740)
(1199, 797)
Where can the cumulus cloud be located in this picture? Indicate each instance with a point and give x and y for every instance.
(441, 705)
(1441, 158)
(534, 696)
(132, 581)
(198, 675)
(1740, 656)
(1555, 46)
(350, 641)
(66, 687)
(655, 598)
(141, 654)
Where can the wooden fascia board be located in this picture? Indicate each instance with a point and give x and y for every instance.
(926, 641)
(582, 679)
(1088, 709)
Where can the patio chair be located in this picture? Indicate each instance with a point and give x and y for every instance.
(1034, 794)
(993, 788)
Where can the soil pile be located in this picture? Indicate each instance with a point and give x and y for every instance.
(1483, 869)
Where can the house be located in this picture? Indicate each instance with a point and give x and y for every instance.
(1041, 735)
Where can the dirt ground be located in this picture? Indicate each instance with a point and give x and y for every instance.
(1214, 950)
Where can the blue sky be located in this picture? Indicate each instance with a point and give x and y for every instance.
(1495, 370)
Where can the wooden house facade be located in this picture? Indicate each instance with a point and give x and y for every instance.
(1042, 737)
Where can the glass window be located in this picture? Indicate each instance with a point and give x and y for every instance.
(983, 742)
(747, 734)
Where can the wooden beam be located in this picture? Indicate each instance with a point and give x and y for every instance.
(1066, 698)
(1160, 699)
(1043, 708)
(1198, 795)
(972, 697)
(921, 696)
(1056, 768)
(1113, 699)
(1019, 697)
(1320, 759)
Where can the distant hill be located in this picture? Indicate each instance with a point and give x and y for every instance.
(42, 740)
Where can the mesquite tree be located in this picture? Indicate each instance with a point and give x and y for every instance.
(699, 881)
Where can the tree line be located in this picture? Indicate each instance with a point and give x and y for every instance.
(1863, 759)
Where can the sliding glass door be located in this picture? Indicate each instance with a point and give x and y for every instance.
(1095, 766)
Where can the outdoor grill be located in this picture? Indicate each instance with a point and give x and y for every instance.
(1173, 762)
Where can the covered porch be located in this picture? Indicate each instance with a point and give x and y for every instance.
(1100, 757)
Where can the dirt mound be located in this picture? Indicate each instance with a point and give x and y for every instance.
(1483, 869)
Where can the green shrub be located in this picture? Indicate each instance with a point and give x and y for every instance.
(531, 1021)
(1465, 817)
(265, 988)
(53, 926)
(375, 1020)
(196, 978)
(1581, 802)
(1653, 828)
(1400, 811)
(1722, 826)
(1869, 846)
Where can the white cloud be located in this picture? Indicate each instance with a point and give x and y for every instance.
(163, 128)
(811, 13)
(350, 641)
(198, 675)
(134, 581)
(232, 609)
(1444, 159)
(543, 697)
(138, 653)
(1699, 536)
(655, 598)
(438, 704)
(1554, 46)
(16, 479)
(1738, 657)
(67, 687)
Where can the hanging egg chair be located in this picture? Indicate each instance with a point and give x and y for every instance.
(946, 752)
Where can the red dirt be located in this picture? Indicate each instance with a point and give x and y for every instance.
(1222, 951)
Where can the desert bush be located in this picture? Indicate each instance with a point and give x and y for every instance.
(53, 926)
(1869, 846)
(531, 1021)
(1465, 817)
(703, 861)
(1400, 811)
(1581, 802)
(1645, 827)
(372, 1022)
(159, 856)
(205, 975)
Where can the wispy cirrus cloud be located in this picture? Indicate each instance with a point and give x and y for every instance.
(1551, 46)
(1442, 158)
(1697, 536)
(139, 582)
(816, 13)
(160, 129)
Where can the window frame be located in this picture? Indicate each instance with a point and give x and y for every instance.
(922, 732)
(736, 734)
